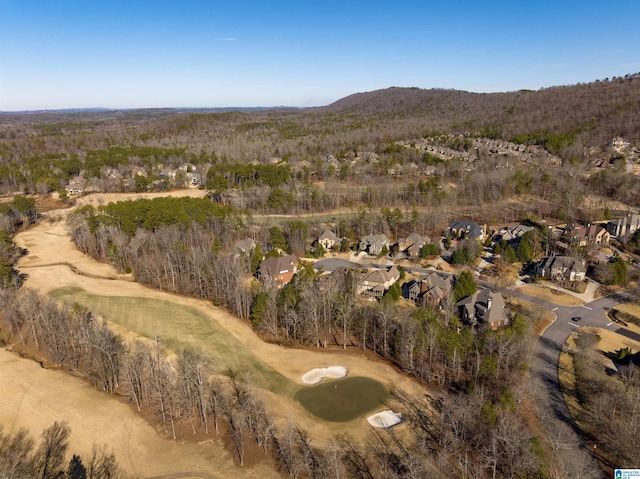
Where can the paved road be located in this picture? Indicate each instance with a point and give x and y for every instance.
(575, 455)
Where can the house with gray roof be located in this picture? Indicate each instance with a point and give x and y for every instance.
(374, 244)
(625, 226)
(328, 239)
(512, 233)
(244, 246)
(376, 282)
(483, 308)
(468, 229)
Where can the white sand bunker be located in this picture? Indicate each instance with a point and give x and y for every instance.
(385, 419)
(316, 375)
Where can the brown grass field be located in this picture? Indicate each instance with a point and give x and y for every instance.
(33, 398)
(548, 294)
(54, 265)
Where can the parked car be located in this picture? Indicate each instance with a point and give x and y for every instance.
(576, 318)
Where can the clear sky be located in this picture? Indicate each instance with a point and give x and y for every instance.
(210, 53)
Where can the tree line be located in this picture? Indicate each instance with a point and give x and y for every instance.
(22, 458)
(481, 371)
(610, 402)
(479, 430)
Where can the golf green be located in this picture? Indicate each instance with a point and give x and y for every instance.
(343, 399)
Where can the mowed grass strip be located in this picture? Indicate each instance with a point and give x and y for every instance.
(344, 399)
(181, 326)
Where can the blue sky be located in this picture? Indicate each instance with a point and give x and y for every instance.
(140, 53)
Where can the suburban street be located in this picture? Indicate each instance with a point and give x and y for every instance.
(577, 459)
(545, 378)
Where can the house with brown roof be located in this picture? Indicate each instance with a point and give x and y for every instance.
(584, 235)
(411, 244)
(431, 289)
(560, 268)
(279, 270)
(376, 282)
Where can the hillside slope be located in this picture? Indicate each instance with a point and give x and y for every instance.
(588, 114)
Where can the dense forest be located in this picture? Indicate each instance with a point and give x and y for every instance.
(440, 152)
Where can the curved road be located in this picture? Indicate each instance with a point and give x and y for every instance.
(575, 454)
(576, 457)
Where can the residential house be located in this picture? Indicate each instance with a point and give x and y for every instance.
(468, 228)
(512, 233)
(584, 235)
(138, 171)
(620, 143)
(560, 268)
(193, 179)
(374, 244)
(411, 244)
(624, 226)
(376, 282)
(244, 246)
(112, 174)
(484, 307)
(431, 289)
(76, 186)
(328, 239)
(279, 270)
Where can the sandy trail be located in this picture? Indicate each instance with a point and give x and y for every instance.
(54, 262)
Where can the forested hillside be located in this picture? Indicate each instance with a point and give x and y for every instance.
(565, 118)
(398, 162)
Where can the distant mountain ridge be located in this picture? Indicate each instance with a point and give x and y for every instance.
(169, 109)
(566, 120)
(596, 112)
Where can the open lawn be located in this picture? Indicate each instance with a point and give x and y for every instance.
(343, 399)
(630, 313)
(630, 308)
(552, 295)
(181, 326)
(541, 317)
